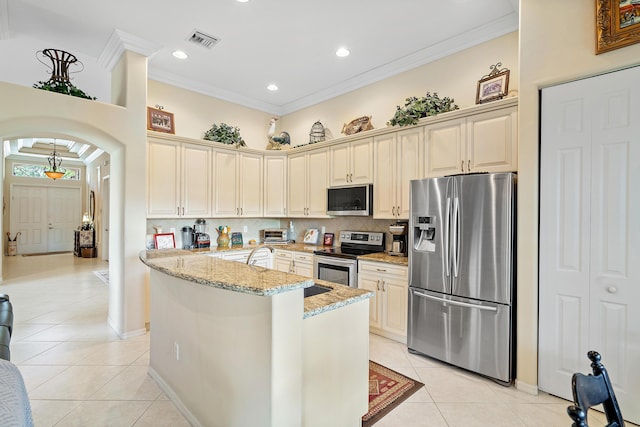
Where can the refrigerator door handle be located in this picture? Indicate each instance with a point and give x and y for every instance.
(447, 239)
(458, 303)
(455, 239)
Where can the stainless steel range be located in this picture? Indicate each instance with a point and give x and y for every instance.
(340, 265)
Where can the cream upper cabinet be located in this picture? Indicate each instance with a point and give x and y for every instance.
(237, 181)
(178, 179)
(397, 160)
(482, 142)
(388, 307)
(307, 193)
(275, 186)
(351, 163)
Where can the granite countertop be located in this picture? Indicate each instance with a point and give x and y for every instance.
(339, 296)
(299, 247)
(233, 276)
(384, 257)
(195, 266)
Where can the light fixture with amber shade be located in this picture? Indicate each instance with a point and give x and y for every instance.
(55, 172)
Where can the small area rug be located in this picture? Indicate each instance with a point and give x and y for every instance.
(47, 253)
(387, 389)
(103, 275)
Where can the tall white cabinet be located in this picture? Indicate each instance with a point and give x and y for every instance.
(237, 184)
(308, 183)
(590, 234)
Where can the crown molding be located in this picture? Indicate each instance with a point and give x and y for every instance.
(118, 42)
(213, 91)
(4, 20)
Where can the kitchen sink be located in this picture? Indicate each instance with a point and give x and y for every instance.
(315, 290)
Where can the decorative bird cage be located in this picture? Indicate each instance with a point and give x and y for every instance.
(317, 133)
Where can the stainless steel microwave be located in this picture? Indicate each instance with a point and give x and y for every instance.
(351, 200)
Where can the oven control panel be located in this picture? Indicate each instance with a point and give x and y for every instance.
(362, 237)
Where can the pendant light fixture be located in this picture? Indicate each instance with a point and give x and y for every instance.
(54, 171)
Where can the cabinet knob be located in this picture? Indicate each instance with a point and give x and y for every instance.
(612, 289)
(383, 290)
(468, 165)
(378, 285)
(462, 165)
(381, 269)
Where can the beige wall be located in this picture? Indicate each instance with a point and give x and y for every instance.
(194, 114)
(557, 44)
(454, 76)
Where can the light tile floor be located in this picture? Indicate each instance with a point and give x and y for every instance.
(78, 373)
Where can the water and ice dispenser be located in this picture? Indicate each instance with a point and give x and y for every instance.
(424, 233)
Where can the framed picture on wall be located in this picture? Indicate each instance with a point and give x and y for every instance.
(328, 239)
(617, 24)
(164, 241)
(160, 120)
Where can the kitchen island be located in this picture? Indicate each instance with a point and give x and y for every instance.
(238, 345)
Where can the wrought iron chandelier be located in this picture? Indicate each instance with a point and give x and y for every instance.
(55, 172)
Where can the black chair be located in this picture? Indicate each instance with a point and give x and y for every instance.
(591, 390)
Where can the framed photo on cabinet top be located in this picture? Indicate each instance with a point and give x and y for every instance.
(164, 241)
(160, 120)
(493, 86)
(617, 24)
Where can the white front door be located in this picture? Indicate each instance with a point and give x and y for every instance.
(45, 217)
(590, 234)
(29, 218)
(64, 216)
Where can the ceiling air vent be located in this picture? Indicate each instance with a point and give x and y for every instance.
(198, 37)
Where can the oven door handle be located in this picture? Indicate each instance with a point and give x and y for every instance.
(334, 261)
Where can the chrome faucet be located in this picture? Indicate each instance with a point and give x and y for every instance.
(256, 249)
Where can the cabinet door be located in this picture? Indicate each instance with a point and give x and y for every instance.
(339, 165)
(492, 141)
(394, 313)
(163, 179)
(275, 186)
(361, 162)
(196, 181)
(282, 261)
(297, 185)
(409, 166)
(225, 180)
(444, 148)
(384, 183)
(250, 193)
(372, 283)
(317, 167)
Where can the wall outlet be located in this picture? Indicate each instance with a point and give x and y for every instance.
(245, 229)
(322, 230)
(176, 350)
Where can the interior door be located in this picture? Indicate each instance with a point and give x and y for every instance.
(29, 217)
(63, 217)
(589, 234)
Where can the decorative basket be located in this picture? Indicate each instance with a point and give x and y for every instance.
(357, 125)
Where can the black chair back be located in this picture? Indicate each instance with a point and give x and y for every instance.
(591, 390)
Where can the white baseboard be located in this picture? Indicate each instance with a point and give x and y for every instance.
(174, 398)
(127, 335)
(527, 388)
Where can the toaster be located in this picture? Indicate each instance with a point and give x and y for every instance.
(273, 235)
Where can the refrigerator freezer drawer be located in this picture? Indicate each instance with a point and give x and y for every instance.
(467, 333)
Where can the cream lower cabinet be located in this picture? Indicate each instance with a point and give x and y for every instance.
(237, 181)
(307, 193)
(261, 258)
(388, 307)
(351, 163)
(178, 179)
(397, 160)
(481, 142)
(275, 186)
(300, 263)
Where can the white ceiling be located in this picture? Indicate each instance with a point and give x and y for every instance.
(291, 43)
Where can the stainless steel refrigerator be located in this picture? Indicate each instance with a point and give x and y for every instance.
(461, 271)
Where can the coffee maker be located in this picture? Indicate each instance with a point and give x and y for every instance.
(399, 243)
(201, 237)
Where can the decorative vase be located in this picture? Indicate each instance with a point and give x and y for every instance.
(223, 236)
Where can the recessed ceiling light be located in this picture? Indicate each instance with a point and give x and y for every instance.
(242, 1)
(342, 52)
(272, 87)
(180, 54)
